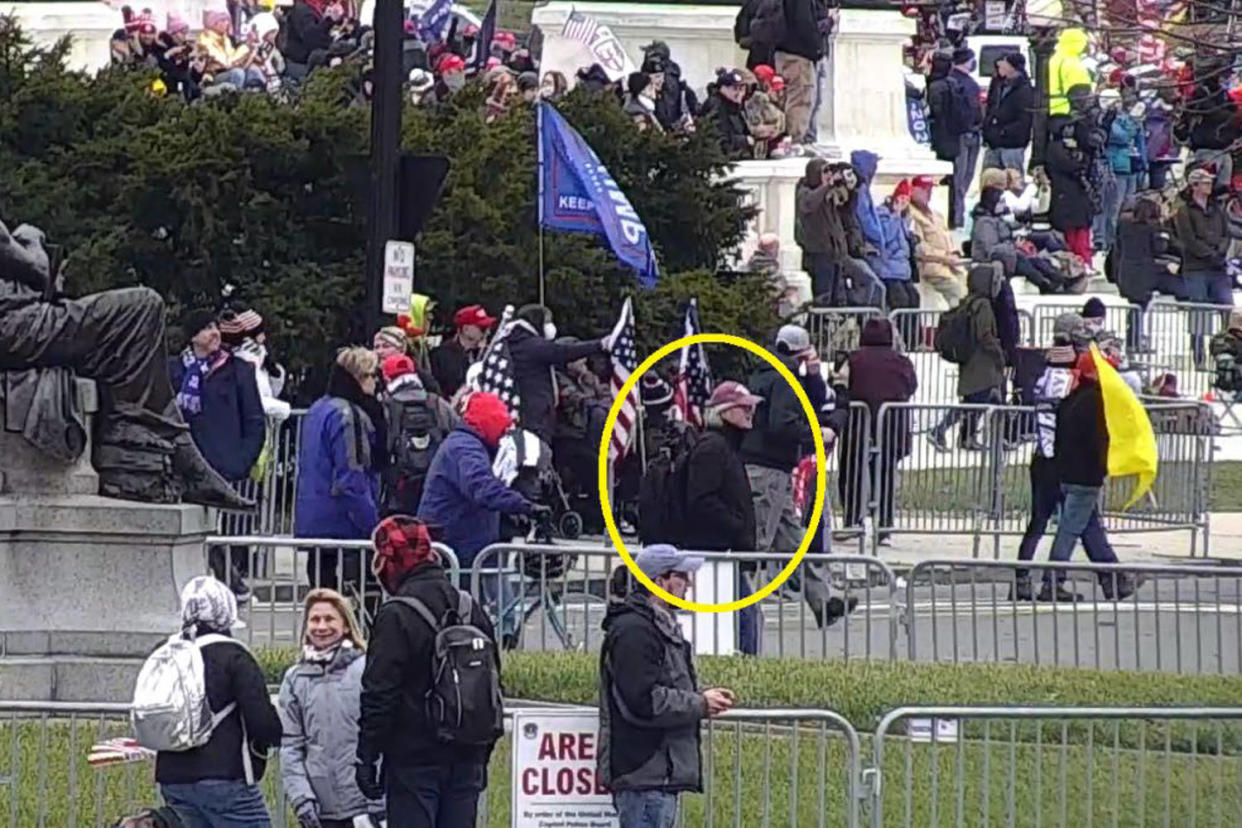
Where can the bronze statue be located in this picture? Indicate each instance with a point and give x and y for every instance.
(143, 449)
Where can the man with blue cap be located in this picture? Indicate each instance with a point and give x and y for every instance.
(650, 701)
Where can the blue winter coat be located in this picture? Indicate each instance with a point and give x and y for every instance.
(868, 218)
(1126, 145)
(231, 428)
(463, 498)
(893, 263)
(338, 487)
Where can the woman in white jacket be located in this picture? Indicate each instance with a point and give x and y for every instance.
(242, 332)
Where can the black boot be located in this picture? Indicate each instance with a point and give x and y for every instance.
(200, 483)
(1060, 595)
(1021, 589)
(833, 610)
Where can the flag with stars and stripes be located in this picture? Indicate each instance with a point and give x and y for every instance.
(693, 384)
(498, 376)
(624, 363)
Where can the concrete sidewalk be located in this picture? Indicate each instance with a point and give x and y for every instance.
(1225, 546)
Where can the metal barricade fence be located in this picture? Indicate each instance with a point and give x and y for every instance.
(1126, 321)
(273, 615)
(1184, 619)
(1070, 766)
(980, 486)
(834, 330)
(1176, 339)
(555, 597)
(799, 767)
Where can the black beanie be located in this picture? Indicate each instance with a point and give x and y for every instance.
(1094, 309)
(962, 55)
(195, 320)
(1017, 60)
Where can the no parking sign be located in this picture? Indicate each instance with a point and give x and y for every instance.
(555, 784)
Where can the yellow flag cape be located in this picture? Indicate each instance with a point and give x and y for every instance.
(1131, 441)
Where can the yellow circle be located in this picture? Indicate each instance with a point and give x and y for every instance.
(820, 462)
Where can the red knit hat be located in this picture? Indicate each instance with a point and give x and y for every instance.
(903, 189)
(488, 416)
(764, 73)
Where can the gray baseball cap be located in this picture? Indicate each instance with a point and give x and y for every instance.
(794, 337)
(661, 558)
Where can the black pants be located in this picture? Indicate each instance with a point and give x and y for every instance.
(438, 796)
(881, 472)
(826, 278)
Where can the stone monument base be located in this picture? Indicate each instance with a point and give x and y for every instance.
(90, 586)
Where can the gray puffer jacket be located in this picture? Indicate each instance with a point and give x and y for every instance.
(319, 705)
(650, 704)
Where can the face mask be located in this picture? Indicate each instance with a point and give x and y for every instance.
(549, 330)
(455, 81)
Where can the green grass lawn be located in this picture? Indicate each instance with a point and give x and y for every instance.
(792, 777)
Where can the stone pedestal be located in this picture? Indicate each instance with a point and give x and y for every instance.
(90, 25)
(88, 585)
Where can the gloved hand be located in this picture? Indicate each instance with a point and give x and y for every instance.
(368, 781)
(307, 812)
(540, 513)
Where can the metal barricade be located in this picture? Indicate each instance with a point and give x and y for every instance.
(555, 597)
(1126, 321)
(1184, 619)
(1070, 766)
(980, 487)
(273, 615)
(836, 330)
(1176, 339)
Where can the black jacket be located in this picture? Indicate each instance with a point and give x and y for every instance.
(1010, 114)
(1135, 268)
(967, 108)
(650, 705)
(533, 360)
(305, 31)
(756, 54)
(394, 722)
(731, 124)
(231, 674)
(1203, 235)
(676, 99)
(1071, 205)
(231, 428)
(1082, 436)
(781, 431)
(720, 515)
(803, 33)
(449, 363)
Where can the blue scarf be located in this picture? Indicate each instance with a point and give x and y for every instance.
(190, 396)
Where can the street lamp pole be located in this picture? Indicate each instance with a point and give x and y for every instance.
(385, 148)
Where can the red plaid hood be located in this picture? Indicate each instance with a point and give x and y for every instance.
(401, 543)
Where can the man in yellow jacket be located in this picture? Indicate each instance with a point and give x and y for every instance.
(1066, 70)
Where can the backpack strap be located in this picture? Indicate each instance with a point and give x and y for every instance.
(419, 607)
(465, 607)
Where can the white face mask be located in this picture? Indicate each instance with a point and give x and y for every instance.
(549, 330)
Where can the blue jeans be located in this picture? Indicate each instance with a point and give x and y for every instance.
(963, 174)
(249, 78)
(1004, 159)
(434, 796)
(218, 803)
(1079, 509)
(645, 809)
(1213, 287)
(749, 620)
(1104, 225)
(1046, 496)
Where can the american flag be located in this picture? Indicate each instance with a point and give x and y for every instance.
(498, 377)
(580, 27)
(624, 363)
(693, 384)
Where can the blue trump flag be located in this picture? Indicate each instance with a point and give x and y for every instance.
(435, 20)
(577, 195)
(487, 32)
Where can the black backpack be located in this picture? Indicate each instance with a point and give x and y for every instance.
(415, 432)
(955, 333)
(662, 493)
(767, 26)
(464, 701)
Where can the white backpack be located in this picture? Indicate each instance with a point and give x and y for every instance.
(170, 710)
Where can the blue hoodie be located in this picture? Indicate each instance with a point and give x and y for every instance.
(893, 263)
(865, 162)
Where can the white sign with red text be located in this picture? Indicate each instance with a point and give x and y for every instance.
(555, 784)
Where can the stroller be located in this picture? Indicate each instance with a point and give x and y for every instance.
(524, 463)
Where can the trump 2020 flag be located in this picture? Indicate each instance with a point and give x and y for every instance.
(577, 195)
(487, 33)
(1131, 440)
(435, 20)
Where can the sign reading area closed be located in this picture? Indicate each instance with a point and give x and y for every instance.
(555, 784)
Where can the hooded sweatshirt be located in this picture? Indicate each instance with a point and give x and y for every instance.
(866, 162)
(1066, 70)
(818, 228)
